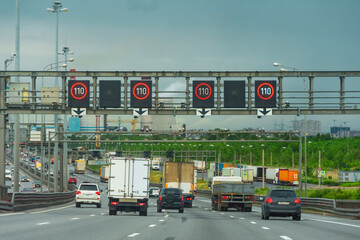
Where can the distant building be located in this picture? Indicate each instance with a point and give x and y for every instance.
(313, 127)
(355, 133)
(160, 123)
(340, 132)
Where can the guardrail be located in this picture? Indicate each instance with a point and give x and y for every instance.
(338, 207)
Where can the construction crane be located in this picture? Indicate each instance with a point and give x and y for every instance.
(133, 122)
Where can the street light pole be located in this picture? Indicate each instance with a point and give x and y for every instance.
(57, 7)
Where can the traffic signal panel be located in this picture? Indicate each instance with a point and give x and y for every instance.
(78, 94)
(141, 94)
(265, 94)
(110, 94)
(234, 94)
(147, 154)
(203, 94)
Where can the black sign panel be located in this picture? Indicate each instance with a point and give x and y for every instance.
(234, 94)
(110, 93)
(141, 94)
(78, 93)
(265, 94)
(203, 94)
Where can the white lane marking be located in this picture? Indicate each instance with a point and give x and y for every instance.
(242, 218)
(75, 219)
(213, 211)
(9, 214)
(222, 213)
(204, 200)
(133, 235)
(102, 214)
(49, 210)
(253, 222)
(43, 223)
(205, 209)
(162, 220)
(266, 228)
(232, 216)
(286, 237)
(344, 224)
(166, 216)
(92, 215)
(152, 225)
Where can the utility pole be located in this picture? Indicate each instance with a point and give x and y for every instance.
(319, 169)
(263, 169)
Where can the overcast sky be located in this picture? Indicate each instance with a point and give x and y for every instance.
(210, 35)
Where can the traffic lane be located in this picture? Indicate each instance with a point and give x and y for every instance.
(310, 227)
(202, 223)
(79, 223)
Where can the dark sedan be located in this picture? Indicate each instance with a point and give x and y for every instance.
(281, 203)
(25, 179)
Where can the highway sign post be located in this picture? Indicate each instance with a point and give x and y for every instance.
(234, 94)
(141, 94)
(203, 94)
(265, 94)
(78, 94)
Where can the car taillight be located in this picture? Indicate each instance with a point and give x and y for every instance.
(114, 203)
(297, 201)
(216, 201)
(182, 198)
(189, 199)
(141, 204)
(269, 200)
(160, 197)
(225, 197)
(78, 192)
(97, 193)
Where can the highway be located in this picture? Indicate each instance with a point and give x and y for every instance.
(199, 222)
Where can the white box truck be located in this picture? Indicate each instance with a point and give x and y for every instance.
(104, 173)
(128, 187)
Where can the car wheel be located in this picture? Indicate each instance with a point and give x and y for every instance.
(98, 205)
(262, 215)
(190, 204)
(249, 209)
(112, 212)
(78, 205)
(181, 210)
(143, 213)
(159, 209)
(297, 217)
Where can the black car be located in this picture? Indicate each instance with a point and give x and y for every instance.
(37, 184)
(281, 203)
(170, 198)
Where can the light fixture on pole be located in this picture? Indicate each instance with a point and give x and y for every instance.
(9, 60)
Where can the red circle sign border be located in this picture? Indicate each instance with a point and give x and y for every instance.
(72, 87)
(147, 87)
(272, 91)
(197, 89)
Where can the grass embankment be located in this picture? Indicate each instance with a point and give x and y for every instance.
(95, 167)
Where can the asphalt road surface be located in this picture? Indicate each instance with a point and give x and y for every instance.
(199, 222)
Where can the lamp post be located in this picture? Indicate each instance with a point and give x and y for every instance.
(9, 60)
(276, 64)
(250, 154)
(57, 7)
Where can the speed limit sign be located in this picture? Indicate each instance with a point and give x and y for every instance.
(265, 94)
(78, 93)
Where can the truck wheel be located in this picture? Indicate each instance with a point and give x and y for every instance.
(297, 217)
(98, 205)
(181, 210)
(248, 209)
(112, 212)
(159, 209)
(190, 204)
(266, 217)
(143, 213)
(78, 205)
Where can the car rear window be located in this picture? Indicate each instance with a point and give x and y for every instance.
(283, 193)
(172, 191)
(88, 187)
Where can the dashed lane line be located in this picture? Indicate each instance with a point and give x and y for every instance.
(92, 215)
(162, 220)
(242, 218)
(266, 228)
(253, 222)
(286, 238)
(133, 235)
(152, 225)
(10, 214)
(72, 219)
(43, 223)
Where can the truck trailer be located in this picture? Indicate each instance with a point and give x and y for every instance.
(232, 192)
(288, 177)
(181, 175)
(80, 166)
(128, 186)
